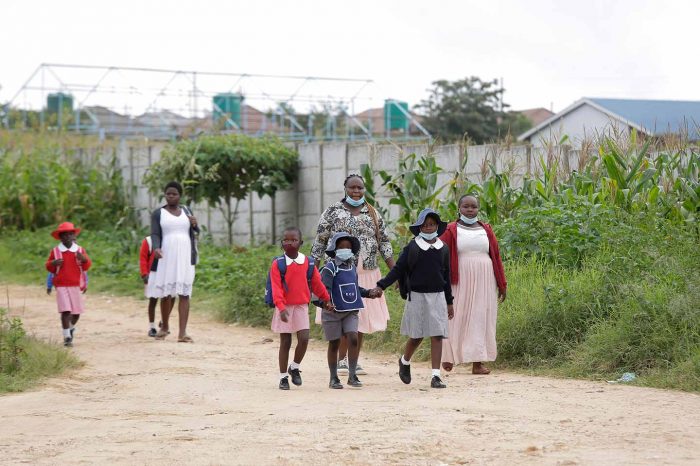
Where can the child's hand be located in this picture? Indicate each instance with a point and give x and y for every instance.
(158, 253)
(284, 315)
(57, 262)
(501, 296)
(48, 291)
(328, 306)
(81, 257)
(145, 279)
(376, 292)
(450, 311)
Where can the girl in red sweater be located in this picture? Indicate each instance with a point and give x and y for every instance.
(291, 297)
(68, 262)
(145, 262)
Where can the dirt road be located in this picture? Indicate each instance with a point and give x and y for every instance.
(139, 401)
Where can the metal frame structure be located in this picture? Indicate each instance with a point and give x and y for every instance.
(175, 97)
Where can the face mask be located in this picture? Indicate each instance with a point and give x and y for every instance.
(353, 202)
(428, 236)
(468, 221)
(344, 254)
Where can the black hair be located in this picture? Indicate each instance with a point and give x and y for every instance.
(293, 228)
(353, 175)
(468, 195)
(174, 184)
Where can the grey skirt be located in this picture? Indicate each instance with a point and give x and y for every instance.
(425, 315)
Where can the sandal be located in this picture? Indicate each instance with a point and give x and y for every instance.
(185, 339)
(161, 335)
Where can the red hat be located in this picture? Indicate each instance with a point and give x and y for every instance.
(64, 228)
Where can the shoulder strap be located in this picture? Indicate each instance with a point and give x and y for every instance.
(310, 270)
(373, 214)
(186, 209)
(282, 266)
(57, 254)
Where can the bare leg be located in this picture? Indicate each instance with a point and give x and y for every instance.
(343, 348)
(183, 309)
(411, 346)
(302, 344)
(166, 306)
(74, 318)
(285, 345)
(152, 302)
(435, 351)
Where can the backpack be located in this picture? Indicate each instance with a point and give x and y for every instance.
(282, 266)
(83, 274)
(413, 251)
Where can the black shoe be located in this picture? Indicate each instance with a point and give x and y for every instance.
(354, 381)
(404, 372)
(437, 382)
(152, 332)
(284, 383)
(296, 376)
(68, 341)
(72, 331)
(335, 383)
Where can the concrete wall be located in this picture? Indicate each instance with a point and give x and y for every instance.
(323, 168)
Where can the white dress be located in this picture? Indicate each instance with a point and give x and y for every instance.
(175, 273)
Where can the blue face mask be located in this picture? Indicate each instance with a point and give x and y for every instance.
(428, 236)
(468, 221)
(353, 202)
(344, 254)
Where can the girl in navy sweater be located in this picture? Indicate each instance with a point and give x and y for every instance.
(424, 268)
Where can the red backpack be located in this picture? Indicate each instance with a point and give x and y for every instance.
(83, 274)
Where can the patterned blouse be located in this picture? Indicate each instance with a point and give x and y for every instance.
(338, 218)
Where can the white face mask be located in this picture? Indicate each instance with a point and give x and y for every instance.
(428, 236)
(344, 254)
(467, 220)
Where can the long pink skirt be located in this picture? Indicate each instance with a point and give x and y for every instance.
(472, 331)
(375, 315)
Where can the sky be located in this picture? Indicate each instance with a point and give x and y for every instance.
(548, 53)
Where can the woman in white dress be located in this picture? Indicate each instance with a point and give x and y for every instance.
(173, 232)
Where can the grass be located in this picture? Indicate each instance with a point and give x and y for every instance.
(631, 304)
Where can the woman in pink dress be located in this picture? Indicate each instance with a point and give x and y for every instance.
(358, 218)
(478, 285)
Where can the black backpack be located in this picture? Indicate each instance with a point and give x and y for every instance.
(413, 251)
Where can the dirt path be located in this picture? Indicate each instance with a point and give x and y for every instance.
(141, 401)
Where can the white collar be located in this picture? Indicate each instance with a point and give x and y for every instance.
(299, 260)
(424, 245)
(73, 247)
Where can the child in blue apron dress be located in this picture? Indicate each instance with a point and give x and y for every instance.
(339, 276)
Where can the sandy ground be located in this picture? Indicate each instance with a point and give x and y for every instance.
(139, 401)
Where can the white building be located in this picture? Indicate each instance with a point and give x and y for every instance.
(590, 118)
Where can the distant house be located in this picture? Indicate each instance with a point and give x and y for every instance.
(589, 118)
(536, 115)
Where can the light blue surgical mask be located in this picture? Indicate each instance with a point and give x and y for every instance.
(344, 254)
(428, 236)
(467, 220)
(353, 202)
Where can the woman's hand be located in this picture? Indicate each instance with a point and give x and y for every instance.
(376, 292)
(158, 253)
(450, 311)
(284, 315)
(501, 296)
(193, 220)
(328, 306)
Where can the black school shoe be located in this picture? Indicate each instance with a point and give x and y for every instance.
(284, 383)
(152, 332)
(335, 383)
(436, 382)
(354, 381)
(296, 375)
(68, 342)
(404, 372)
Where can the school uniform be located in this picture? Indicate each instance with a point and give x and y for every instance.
(295, 296)
(67, 278)
(341, 281)
(146, 258)
(425, 312)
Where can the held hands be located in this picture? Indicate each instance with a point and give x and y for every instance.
(284, 315)
(376, 292)
(450, 311)
(158, 253)
(328, 306)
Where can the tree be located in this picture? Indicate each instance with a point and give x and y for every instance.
(224, 168)
(468, 106)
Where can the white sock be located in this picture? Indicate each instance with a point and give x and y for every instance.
(404, 362)
(294, 365)
(66, 333)
(152, 325)
(436, 372)
(283, 375)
